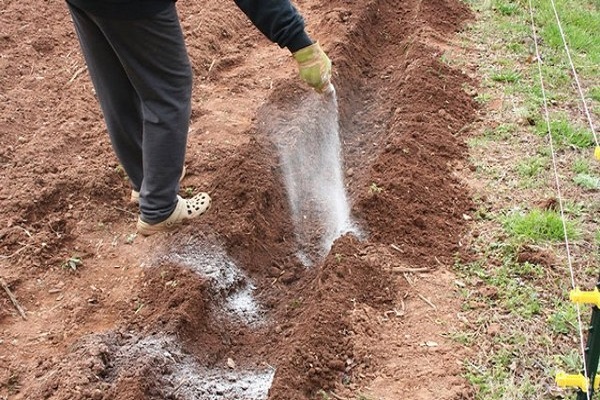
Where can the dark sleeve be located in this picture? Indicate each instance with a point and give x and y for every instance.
(278, 20)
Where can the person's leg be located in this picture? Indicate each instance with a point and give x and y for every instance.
(153, 54)
(118, 99)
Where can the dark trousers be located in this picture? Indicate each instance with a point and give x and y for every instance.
(143, 79)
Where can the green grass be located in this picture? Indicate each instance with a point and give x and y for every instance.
(522, 301)
(565, 133)
(513, 292)
(534, 322)
(505, 131)
(516, 295)
(581, 166)
(595, 93)
(506, 76)
(571, 361)
(574, 208)
(538, 225)
(483, 98)
(563, 319)
(496, 383)
(532, 167)
(507, 7)
(556, 78)
(581, 23)
(501, 132)
(462, 337)
(587, 181)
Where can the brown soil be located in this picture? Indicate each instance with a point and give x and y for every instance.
(154, 318)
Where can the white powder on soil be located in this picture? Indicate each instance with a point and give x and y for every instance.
(177, 375)
(226, 280)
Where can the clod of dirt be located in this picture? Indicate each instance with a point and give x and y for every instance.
(536, 256)
(549, 204)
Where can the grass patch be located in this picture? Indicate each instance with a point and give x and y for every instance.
(506, 76)
(566, 134)
(522, 301)
(504, 131)
(462, 337)
(532, 166)
(581, 23)
(538, 225)
(495, 383)
(587, 181)
(483, 98)
(515, 292)
(563, 319)
(508, 8)
(595, 93)
(581, 166)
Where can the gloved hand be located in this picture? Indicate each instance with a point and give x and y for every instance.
(314, 66)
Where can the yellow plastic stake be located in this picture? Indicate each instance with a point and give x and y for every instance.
(597, 153)
(585, 297)
(565, 380)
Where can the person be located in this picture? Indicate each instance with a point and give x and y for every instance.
(138, 63)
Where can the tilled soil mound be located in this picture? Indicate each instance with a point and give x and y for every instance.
(223, 308)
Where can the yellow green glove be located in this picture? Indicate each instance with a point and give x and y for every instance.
(314, 66)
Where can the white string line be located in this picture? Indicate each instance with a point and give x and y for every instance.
(558, 190)
(585, 107)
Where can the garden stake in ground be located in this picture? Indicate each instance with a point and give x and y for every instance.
(592, 350)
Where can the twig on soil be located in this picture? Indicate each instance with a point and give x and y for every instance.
(393, 246)
(76, 74)
(53, 231)
(337, 396)
(407, 279)
(426, 300)
(26, 231)
(125, 211)
(13, 299)
(183, 381)
(15, 253)
(270, 366)
(395, 312)
(401, 270)
(212, 64)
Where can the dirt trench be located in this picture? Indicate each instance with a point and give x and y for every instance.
(229, 312)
